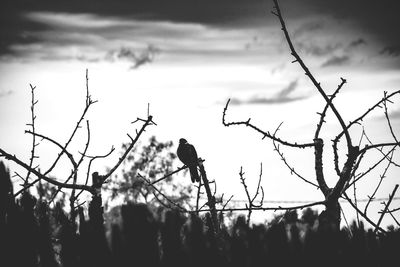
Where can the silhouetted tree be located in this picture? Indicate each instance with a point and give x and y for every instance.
(348, 174)
(140, 236)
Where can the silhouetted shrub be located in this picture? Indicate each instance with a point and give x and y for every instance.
(32, 234)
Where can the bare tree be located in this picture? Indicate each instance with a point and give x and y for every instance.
(347, 174)
(34, 174)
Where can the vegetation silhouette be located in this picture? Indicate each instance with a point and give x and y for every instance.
(32, 234)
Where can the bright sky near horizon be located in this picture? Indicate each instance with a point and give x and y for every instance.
(204, 52)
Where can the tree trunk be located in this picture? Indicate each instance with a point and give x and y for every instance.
(329, 219)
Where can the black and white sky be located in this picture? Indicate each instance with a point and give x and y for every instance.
(186, 58)
(31, 23)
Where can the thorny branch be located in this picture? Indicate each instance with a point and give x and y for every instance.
(323, 113)
(264, 134)
(309, 75)
(268, 208)
(32, 124)
(355, 154)
(359, 120)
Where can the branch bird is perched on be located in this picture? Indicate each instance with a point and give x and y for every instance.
(188, 155)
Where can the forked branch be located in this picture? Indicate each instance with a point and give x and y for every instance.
(310, 76)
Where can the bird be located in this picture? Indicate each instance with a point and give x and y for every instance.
(188, 155)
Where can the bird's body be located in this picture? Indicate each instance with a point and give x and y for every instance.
(188, 155)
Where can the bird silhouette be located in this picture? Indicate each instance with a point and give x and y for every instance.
(188, 155)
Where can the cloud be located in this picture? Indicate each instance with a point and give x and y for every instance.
(278, 68)
(357, 42)
(136, 58)
(313, 48)
(15, 23)
(393, 50)
(336, 61)
(308, 27)
(377, 17)
(283, 96)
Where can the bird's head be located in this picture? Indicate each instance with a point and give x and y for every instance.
(182, 141)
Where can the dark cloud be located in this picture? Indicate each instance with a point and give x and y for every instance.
(377, 17)
(316, 49)
(283, 96)
(393, 50)
(336, 61)
(358, 42)
(16, 28)
(307, 28)
(136, 58)
(287, 90)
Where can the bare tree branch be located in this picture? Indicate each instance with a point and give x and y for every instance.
(42, 176)
(283, 158)
(265, 134)
(147, 122)
(386, 207)
(360, 118)
(88, 102)
(387, 116)
(362, 213)
(92, 158)
(310, 76)
(250, 201)
(382, 176)
(182, 209)
(268, 208)
(32, 124)
(323, 113)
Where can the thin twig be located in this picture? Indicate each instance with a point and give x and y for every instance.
(162, 194)
(88, 103)
(147, 122)
(32, 124)
(250, 201)
(386, 207)
(362, 213)
(381, 177)
(292, 170)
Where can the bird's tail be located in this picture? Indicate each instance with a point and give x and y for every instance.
(194, 174)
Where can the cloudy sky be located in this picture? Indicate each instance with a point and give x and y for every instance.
(186, 58)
